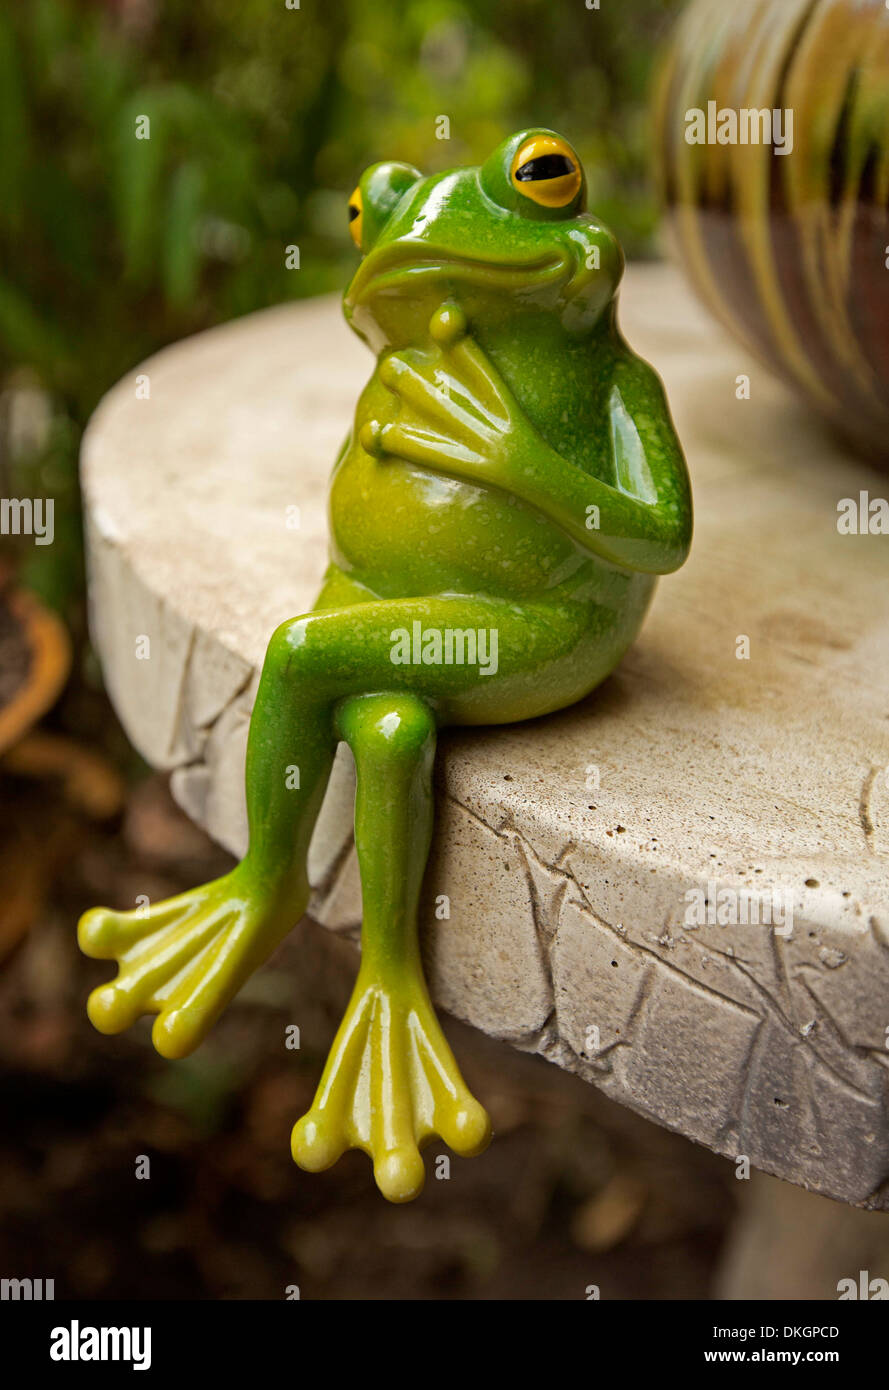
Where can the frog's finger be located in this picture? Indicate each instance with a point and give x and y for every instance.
(336, 1121)
(449, 328)
(146, 975)
(475, 367)
(456, 1115)
(105, 934)
(464, 1125)
(443, 397)
(396, 1112)
(400, 1173)
(317, 1141)
(203, 990)
(425, 447)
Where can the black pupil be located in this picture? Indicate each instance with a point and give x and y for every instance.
(546, 166)
(353, 212)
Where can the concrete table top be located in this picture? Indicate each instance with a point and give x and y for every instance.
(576, 851)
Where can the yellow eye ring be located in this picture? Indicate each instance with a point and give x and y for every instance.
(356, 216)
(546, 170)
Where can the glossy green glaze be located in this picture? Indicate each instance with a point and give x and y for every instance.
(510, 489)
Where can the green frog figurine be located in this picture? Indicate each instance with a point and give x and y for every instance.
(510, 489)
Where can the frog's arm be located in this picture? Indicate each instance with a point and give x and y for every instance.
(645, 522)
(460, 418)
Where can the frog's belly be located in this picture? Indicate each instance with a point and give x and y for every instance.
(402, 530)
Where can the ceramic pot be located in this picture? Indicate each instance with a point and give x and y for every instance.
(781, 215)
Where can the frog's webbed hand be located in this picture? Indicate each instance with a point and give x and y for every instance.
(183, 959)
(456, 414)
(460, 418)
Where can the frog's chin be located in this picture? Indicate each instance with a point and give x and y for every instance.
(401, 269)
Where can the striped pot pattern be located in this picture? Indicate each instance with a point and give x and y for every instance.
(790, 250)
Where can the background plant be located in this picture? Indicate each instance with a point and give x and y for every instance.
(261, 120)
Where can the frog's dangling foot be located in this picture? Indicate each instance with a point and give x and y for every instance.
(391, 1081)
(183, 959)
(390, 1084)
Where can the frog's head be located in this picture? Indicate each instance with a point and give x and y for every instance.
(509, 238)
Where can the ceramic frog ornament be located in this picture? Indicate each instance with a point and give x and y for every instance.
(510, 489)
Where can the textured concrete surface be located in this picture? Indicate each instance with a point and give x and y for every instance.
(568, 846)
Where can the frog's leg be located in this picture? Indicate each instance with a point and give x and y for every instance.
(391, 1081)
(185, 958)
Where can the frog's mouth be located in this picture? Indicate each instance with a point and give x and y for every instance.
(402, 266)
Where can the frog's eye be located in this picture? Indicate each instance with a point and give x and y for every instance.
(546, 170)
(356, 216)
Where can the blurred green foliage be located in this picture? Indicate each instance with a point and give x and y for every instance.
(261, 119)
